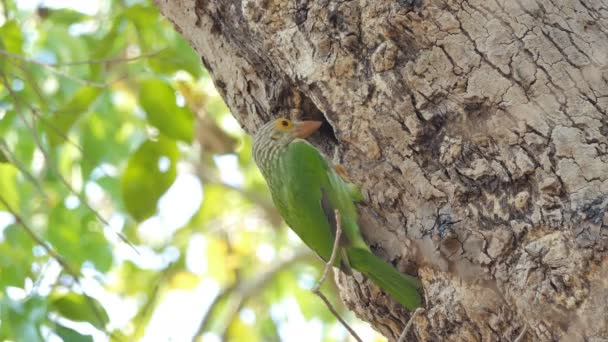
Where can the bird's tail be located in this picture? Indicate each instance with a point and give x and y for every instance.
(404, 288)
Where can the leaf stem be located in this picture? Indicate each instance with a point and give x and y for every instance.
(317, 288)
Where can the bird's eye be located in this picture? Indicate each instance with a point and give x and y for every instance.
(283, 124)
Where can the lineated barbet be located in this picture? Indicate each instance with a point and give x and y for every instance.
(307, 190)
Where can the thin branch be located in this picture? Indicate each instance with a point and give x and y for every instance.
(103, 221)
(60, 260)
(334, 253)
(316, 289)
(36, 113)
(52, 69)
(249, 290)
(337, 315)
(83, 62)
(243, 291)
(111, 60)
(5, 9)
(150, 303)
(409, 324)
(49, 160)
(50, 251)
(14, 161)
(206, 321)
(227, 291)
(32, 82)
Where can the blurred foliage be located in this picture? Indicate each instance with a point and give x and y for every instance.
(103, 112)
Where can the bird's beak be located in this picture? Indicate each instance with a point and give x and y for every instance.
(303, 129)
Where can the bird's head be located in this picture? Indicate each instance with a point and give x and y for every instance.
(276, 134)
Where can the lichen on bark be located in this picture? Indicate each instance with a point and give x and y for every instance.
(477, 130)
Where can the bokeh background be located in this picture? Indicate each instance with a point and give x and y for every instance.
(130, 207)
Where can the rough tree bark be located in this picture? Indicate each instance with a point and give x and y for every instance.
(476, 128)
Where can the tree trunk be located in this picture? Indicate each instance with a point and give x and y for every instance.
(476, 129)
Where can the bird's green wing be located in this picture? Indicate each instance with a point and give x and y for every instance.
(311, 191)
(303, 172)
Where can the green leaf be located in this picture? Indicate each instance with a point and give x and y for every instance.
(133, 279)
(3, 156)
(65, 16)
(64, 233)
(146, 179)
(8, 186)
(67, 115)
(69, 335)
(109, 44)
(67, 47)
(79, 227)
(98, 251)
(79, 307)
(239, 331)
(111, 185)
(142, 15)
(24, 152)
(15, 255)
(21, 319)
(157, 98)
(98, 137)
(11, 38)
(145, 18)
(217, 259)
(6, 123)
(178, 56)
(268, 328)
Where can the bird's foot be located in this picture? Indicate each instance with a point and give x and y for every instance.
(342, 172)
(338, 167)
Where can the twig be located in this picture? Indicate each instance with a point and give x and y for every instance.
(409, 324)
(337, 315)
(36, 113)
(87, 61)
(146, 310)
(225, 293)
(242, 292)
(334, 252)
(5, 8)
(49, 161)
(317, 288)
(251, 289)
(206, 321)
(55, 255)
(10, 156)
(111, 60)
(52, 69)
(36, 110)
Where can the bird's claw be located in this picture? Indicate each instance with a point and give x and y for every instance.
(342, 172)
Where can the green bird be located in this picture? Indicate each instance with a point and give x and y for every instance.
(306, 189)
